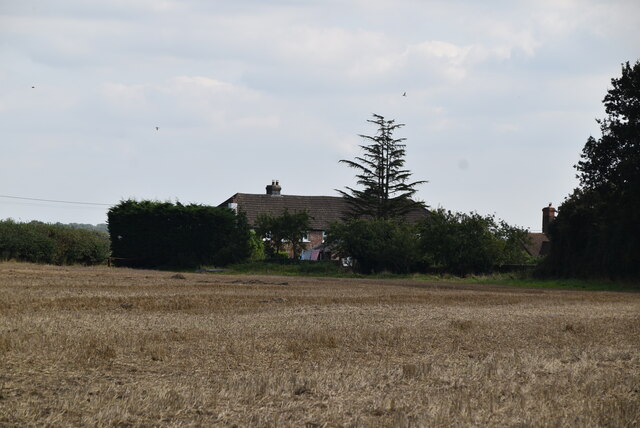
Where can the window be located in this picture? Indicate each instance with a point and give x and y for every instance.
(305, 237)
(324, 236)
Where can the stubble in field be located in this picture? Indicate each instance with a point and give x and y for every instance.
(119, 347)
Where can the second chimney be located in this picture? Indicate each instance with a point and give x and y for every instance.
(274, 188)
(548, 215)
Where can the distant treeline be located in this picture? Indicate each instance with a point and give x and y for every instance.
(102, 227)
(55, 244)
(163, 234)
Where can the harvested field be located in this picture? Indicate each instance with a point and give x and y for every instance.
(119, 347)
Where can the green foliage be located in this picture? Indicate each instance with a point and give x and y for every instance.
(595, 236)
(387, 192)
(154, 234)
(597, 228)
(256, 244)
(284, 231)
(470, 243)
(376, 245)
(451, 242)
(512, 241)
(233, 243)
(613, 161)
(55, 244)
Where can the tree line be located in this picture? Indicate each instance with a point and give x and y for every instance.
(57, 244)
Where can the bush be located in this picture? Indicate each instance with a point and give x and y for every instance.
(156, 234)
(470, 243)
(283, 232)
(445, 242)
(55, 244)
(256, 244)
(376, 245)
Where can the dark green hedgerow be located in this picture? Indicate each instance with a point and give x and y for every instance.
(163, 234)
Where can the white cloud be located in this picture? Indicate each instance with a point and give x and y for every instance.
(446, 59)
(193, 101)
(130, 97)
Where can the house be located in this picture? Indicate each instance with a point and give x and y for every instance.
(539, 242)
(323, 210)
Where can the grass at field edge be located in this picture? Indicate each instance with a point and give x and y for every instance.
(508, 279)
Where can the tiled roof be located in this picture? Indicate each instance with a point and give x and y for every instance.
(323, 210)
(538, 245)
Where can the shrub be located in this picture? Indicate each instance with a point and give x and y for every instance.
(470, 243)
(376, 245)
(55, 244)
(154, 234)
(283, 232)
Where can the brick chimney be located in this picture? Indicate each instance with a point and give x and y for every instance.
(548, 215)
(274, 188)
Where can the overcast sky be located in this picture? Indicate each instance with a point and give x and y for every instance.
(501, 97)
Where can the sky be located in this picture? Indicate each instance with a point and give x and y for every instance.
(195, 100)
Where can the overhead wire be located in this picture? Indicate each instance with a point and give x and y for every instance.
(54, 200)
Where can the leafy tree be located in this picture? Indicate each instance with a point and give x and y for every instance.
(512, 244)
(595, 233)
(470, 243)
(376, 245)
(612, 162)
(284, 231)
(387, 190)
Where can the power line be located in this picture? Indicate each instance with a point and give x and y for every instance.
(53, 200)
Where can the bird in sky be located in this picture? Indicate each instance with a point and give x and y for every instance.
(404, 95)
(157, 128)
(33, 87)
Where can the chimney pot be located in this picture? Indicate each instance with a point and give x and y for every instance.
(274, 188)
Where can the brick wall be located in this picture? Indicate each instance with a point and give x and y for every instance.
(315, 239)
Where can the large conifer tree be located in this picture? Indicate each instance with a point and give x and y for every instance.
(387, 191)
(596, 232)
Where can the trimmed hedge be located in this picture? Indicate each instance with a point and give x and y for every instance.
(54, 244)
(163, 234)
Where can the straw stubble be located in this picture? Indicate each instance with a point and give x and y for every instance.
(119, 347)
